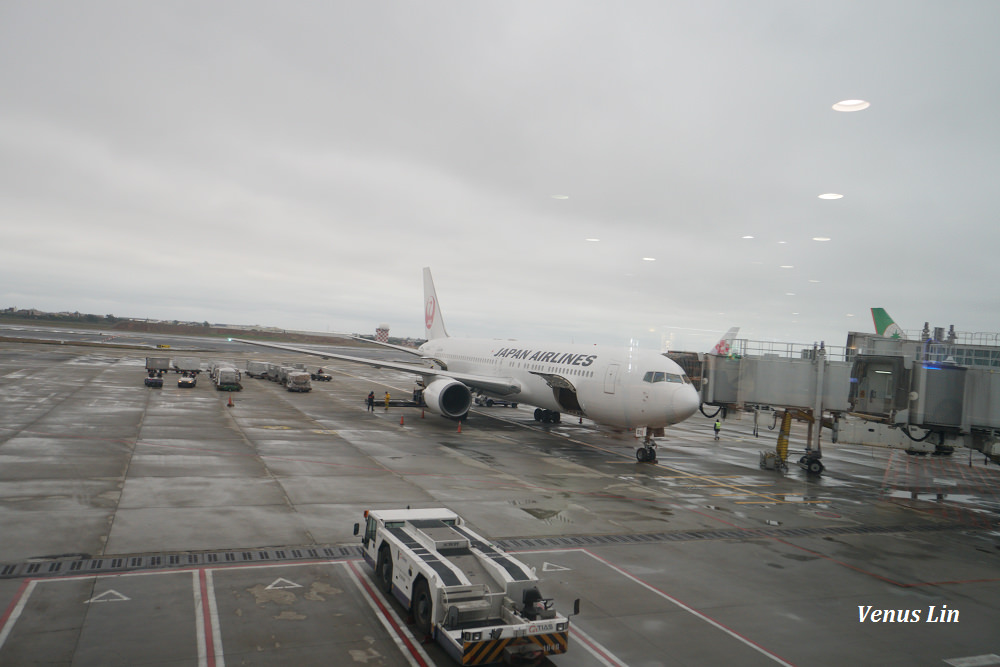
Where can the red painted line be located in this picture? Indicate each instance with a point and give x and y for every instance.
(888, 467)
(13, 603)
(377, 599)
(206, 619)
(578, 636)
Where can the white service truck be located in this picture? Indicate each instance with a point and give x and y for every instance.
(189, 365)
(298, 381)
(480, 604)
(226, 378)
(257, 369)
(158, 364)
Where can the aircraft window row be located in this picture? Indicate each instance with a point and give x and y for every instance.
(537, 367)
(660, 376)
(542, 368)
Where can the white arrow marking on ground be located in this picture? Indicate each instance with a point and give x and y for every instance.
(551, 567)
(108, 596)
(282, 583)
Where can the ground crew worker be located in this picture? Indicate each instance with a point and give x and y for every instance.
(718, 427)
(386, 401)
(371, 401)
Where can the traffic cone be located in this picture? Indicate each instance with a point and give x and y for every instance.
(459, 427)
(230, 404)
(401, 420)
(421, 414)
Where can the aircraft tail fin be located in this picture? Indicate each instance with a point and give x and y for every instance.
(433, 324)
(725, 344)
(884, 324)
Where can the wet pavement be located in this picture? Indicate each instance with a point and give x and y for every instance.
(162, 526)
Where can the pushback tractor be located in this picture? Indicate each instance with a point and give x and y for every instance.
(480, 604)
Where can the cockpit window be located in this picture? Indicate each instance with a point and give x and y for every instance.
(660, 376)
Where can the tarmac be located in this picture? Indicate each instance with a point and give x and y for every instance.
(143, 526)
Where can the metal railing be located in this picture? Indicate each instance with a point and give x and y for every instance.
(766, 348)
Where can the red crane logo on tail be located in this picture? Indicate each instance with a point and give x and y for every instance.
(429, 312)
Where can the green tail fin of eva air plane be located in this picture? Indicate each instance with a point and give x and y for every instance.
(885, 326)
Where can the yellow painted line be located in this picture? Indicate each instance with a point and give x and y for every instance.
(778, 502)
(689, 476)
(701, 486)
(738, 488)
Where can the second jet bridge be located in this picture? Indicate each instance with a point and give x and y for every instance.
(950, 387)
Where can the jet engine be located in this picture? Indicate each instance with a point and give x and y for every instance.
(448, 398)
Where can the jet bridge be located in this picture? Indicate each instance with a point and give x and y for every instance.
(804, 381)
(948, 387)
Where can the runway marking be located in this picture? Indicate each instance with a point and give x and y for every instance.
(603, 655)
(213, 613)
(666, 596)
(210, 653)
(15, 608)
(780, 502)
(714, 486)
(109, 595)
(552, 567)
(413, 652)
(280, 583)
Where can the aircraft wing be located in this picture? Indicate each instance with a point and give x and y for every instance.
(496, 385)
(398, 348)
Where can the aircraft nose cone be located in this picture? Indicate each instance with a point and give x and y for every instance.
(685, 404)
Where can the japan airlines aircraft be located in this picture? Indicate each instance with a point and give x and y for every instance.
(621, 387)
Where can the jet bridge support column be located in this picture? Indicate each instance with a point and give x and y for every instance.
(811, 461)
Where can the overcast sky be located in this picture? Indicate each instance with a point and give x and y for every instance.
(296, 164)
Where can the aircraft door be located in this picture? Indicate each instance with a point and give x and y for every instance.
(610, 378)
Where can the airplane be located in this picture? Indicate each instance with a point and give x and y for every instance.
(620, 387)
(725, 344)
(885, 326)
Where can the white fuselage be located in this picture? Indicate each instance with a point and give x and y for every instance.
(624, 387)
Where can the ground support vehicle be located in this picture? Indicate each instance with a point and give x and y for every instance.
(321, 376)
(187, 381)
(153, 380)
(227, 378)
(158, 364)
(480, 604)
(298, 381)
(187, 365)
(489, 402)
(257, 369)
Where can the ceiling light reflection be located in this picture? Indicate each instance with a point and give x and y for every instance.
(851, 105)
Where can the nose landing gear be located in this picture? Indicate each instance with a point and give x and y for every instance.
(646, 453)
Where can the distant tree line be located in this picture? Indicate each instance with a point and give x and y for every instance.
(15, 313)
(34, 314)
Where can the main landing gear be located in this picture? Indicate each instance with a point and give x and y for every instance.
(646, 453)
(812, 464)
(547, 416)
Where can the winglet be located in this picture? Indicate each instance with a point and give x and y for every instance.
(885, 326)
(725, 344)
(433, 323)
